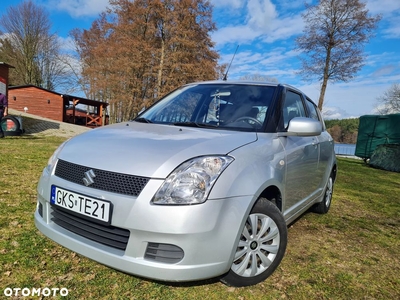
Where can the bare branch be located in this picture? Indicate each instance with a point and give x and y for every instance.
(30, 47)
(333, 41)
(389, 102)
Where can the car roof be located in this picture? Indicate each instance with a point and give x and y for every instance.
(246, 82)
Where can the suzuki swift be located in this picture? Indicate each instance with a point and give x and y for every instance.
(202, 184)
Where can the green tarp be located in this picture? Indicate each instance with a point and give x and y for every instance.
(376, 130)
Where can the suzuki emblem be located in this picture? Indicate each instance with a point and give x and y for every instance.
(89, 176)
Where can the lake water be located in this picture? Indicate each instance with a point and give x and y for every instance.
(345, 149)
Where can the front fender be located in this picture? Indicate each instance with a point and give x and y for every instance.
(256, 166)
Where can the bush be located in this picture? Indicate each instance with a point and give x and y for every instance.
(387, 157)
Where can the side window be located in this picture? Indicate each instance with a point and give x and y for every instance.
(293, 107)
(312, 109)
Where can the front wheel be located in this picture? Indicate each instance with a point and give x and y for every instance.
(261, 246)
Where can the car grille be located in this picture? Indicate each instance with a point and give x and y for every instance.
(105, 180)
(107, 235)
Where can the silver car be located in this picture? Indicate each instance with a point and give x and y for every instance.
(200, 185)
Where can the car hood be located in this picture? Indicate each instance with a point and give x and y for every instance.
(149, 150)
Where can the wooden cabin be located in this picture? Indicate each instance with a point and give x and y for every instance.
(59, 107)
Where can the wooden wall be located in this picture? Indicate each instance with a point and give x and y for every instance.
(4, 77)
(39, 102)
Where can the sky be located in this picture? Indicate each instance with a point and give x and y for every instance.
(264, 33)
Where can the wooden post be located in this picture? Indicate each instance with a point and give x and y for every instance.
(74, 103)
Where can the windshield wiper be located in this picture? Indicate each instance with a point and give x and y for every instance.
(194, 124)
(143, 120)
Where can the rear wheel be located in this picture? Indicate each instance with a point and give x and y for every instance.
(261, 246)
(325, 204)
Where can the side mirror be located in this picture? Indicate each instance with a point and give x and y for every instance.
(301, 126)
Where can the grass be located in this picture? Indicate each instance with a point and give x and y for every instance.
(350, 253)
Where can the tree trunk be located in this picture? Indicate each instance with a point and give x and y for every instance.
(326, 77)
(160, 70)
(322, 93)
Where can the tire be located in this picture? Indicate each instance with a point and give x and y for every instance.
(16, 130)
(261, 247)
(323, 206)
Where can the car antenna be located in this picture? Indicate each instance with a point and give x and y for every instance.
(226, 74)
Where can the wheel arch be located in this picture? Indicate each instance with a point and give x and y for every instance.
(334, 172)
(273, 194)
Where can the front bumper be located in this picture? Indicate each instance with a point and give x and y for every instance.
(207, 233)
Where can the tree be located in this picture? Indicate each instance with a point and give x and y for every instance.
(137, 51)
(30, 47)
(344, 130)
(389, 102)
(333, 40)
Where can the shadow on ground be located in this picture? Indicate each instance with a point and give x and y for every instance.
(35, 126)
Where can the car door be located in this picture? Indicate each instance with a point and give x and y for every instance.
(326, 145)
(302, 155)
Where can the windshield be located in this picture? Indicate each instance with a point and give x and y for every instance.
(227, 106)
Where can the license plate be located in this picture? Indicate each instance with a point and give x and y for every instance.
(86, 206)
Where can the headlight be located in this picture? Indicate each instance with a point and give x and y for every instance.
(192, 181)
(53, 159)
